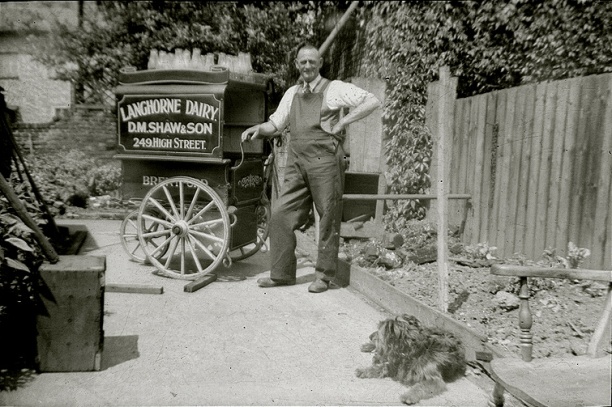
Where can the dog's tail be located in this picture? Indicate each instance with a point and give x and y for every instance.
(424, 390)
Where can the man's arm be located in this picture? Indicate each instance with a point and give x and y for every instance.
(369, 104)
(262, 130)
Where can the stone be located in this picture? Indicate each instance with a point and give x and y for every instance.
(506, 301)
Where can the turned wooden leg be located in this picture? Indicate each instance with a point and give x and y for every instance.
(525, 321)
(497, 396)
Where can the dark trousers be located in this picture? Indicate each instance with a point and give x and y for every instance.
(314, 174)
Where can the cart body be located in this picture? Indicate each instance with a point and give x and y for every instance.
(177, 123)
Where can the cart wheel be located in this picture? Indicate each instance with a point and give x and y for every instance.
(263, 217)
(192, 223)
(129, 236)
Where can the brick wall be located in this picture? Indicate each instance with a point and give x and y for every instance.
(91, 129)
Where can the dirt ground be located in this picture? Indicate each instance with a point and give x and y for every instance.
(564, 312)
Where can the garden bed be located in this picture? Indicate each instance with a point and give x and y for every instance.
(564, 312)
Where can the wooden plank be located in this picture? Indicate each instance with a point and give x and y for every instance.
(134, 288)
(472, 177)
(199, 283)
(447, 100)
(581, 158)
(462, 171)
(454, 156)
(555, 169)
(514, 141)
(534, 172)
(548, 272)
(556, 382)
(592, 165)
(602, 240)
(567, 165)
(505, 142)
(486, 201)
(545, 165)
(431, 118)
(496, 155)
(525, 160)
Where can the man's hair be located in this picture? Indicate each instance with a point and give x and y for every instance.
(304, 45)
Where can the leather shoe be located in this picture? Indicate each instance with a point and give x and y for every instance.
(318, 286)
(268, 282)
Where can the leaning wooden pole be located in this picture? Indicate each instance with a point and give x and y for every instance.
(338, 27)
(446, 96)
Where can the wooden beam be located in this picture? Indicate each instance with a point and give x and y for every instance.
(199, 283)
(134, 288)
(445, 105)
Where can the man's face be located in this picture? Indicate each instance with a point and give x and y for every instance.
(308, 62)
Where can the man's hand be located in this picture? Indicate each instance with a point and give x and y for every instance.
(251, 133)
(338, 128)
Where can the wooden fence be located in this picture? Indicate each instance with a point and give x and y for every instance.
(537, 160)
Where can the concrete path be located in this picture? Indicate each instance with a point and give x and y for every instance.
(230, 343)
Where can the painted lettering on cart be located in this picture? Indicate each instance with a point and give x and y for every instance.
(178, 143)
(170, 127)
(150, 106)
(151, 180)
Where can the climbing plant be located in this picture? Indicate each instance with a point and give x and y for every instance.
(488, 45)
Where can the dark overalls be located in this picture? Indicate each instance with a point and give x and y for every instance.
(314, 173)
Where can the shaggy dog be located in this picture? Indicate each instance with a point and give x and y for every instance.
(419, 357)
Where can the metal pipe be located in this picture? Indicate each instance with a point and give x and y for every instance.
(379, 197)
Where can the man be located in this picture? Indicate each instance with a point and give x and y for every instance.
(315, 166)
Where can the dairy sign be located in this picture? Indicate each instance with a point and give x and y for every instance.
(170, 123)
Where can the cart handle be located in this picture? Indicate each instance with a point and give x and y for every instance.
(242, 157)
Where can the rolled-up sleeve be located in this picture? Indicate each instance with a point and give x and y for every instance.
(343, 94)
(280, 118)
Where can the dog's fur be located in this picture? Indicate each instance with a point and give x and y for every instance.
(419, 357)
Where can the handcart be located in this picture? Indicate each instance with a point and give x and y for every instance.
(201, 193)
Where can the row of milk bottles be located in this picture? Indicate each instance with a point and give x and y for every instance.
(185, 59)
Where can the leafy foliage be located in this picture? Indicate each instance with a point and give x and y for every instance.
(69, 177)
(489, 45)
(118, 34)
(20, 258)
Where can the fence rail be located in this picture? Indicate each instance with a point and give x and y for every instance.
(537, 161)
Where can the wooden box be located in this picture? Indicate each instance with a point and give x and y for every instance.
(359, 183)
(70, 334)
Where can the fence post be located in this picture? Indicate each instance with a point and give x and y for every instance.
(447, 88)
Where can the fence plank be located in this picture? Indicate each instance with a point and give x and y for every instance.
(473, 170)
(494, 220)
(545, 165)
(486, 198)
(525, 160)
(567, 164)
(582, 155)
(534, 172)
(457, 178)
(601, 251)
(515, 142)
(505, 138)
(478, 167)
(555, 169)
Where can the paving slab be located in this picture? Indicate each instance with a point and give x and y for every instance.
(229, 343)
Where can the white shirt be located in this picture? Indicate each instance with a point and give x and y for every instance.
(339, 95)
